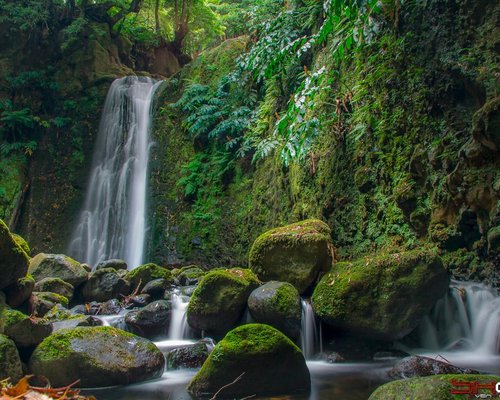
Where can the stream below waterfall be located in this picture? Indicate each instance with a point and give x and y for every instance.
(463, 327)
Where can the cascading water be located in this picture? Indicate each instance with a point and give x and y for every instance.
(464, 327)
(113, 221)
(178, 324)
(310, 337)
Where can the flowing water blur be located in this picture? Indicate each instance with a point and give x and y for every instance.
(113, 221)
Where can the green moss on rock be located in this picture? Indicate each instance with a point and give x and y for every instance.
(381, 297)
(13, 259)
(57, 266)
(272, 364)
(219, 300)
(143, 274)
(295, 253)
(98, 356)
(436, 387)
(22, 243)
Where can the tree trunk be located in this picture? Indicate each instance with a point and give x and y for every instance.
(157, 16)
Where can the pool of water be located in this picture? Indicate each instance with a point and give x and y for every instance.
(346, 381)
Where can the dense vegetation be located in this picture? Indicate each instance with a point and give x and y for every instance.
(376, 116)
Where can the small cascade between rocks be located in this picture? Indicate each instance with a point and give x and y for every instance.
(179, 329)
(113, 221)
(310, 335)
(464, 327)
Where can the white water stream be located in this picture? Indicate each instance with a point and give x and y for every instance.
(113, 221)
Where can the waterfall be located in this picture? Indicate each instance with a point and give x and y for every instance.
(464, 327)
(309, 334)
(178, 324)
(113, 221)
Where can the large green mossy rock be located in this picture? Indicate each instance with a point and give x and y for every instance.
(277, 304)
(55, 285)
(14, 261)
(143, 274)
(436, 387)
(270, 362)
(97, 356)
(22, 243)
(382, 297)
(57, 266)
(218, 302)
(10, 363)
(296, 253)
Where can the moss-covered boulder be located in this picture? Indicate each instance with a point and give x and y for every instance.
(219, 300)
(277, 304)
(150, 321)
(437, 387)
(42, 302)
(98, 356)
(22, 243)
(143, 274)
(10, 363)
(14, 261)
(57, 266)
(25, 331)
(296, 253)
(20, 292)
(382, 297)
(105, 284)
(268, 362)
(55, 285)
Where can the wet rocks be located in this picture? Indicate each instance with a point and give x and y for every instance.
(143, 274)
(187, 357)
(10, 363)
(55, 285)
(114, 263)
(98, 356)
(150, 321)
(25, 331)
(105, 284)
(413, 366)
(277, 304)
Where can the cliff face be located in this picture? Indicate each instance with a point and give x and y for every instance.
(424, 173)
(63, 84)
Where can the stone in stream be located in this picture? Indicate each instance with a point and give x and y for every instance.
(105, 284)
(10, 362)
(116, 264)
(20, 292)
(143, 274)
(298, 253)
(23, 330)
(97, 356)
(150, 321)
(55, 285)
(277, 304)
(14, 261)
(219, 300)
(188, 357)
(156, 288)
(189, 275)
(57, 266)
(413, 366)
(381, 297)
(265, 360)
(437, 387)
